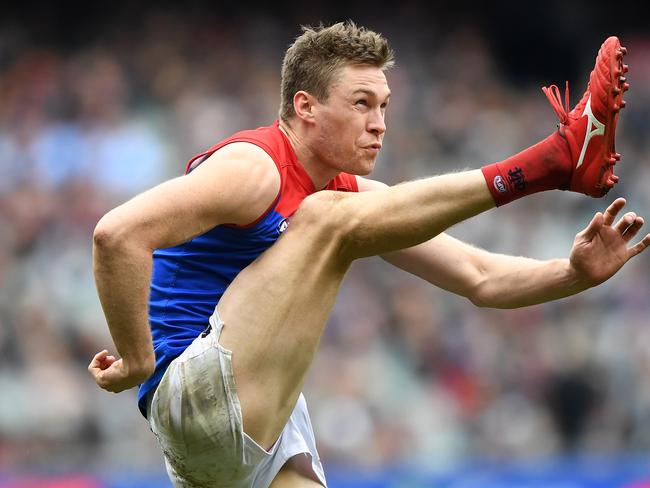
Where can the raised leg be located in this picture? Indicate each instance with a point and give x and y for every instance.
(275, 310)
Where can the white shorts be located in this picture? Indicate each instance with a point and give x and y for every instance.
(196, 416)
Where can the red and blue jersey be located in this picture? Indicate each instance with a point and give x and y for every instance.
(189, 279)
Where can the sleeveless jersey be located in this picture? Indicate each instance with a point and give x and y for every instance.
(189, 279)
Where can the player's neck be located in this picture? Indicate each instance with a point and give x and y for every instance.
(320, 174)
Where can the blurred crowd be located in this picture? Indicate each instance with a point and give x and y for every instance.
(406, 373)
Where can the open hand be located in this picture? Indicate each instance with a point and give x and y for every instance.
(603, 247)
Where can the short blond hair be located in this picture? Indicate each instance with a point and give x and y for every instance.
(314, 58)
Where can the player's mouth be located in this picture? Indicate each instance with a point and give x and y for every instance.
(374, 147)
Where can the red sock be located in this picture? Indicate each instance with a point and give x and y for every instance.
(545, 166)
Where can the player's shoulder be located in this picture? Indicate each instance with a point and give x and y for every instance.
(246, 160)
(240, 180)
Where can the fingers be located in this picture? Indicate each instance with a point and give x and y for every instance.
(100, 362)
(107, 372)
(633, 229)
(101, 355)
(594, 226)
(639, 246)
(612, 211)
(97, 360)
(627, 223)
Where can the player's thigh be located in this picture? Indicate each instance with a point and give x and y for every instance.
(288, 477)
(274, 313)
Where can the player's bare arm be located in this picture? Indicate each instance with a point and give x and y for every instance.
(501, 281)
(235, 185)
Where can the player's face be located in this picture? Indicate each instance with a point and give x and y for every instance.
(351, 123)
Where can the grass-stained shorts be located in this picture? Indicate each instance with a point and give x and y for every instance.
(196, 416)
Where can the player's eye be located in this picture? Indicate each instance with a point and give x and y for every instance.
(362, 103)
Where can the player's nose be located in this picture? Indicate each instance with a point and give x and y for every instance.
(376, 122)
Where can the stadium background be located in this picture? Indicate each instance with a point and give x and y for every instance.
(412, 386)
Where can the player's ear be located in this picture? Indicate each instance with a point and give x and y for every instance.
(303, 105)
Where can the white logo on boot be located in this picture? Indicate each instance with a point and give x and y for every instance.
(594, 128)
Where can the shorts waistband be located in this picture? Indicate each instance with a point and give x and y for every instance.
(215, 324)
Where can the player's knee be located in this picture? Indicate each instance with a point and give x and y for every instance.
(324, 213)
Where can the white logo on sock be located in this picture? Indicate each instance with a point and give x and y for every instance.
(499, 184)
(594, 128)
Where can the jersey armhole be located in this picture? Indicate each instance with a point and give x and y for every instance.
(354, 183)
(347, 183)
(262, 146)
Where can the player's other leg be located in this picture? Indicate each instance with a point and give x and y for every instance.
(288, 477)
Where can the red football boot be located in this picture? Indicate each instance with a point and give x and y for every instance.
(591, 126)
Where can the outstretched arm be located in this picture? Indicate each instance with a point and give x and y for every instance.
(235, 185)
(501, 281)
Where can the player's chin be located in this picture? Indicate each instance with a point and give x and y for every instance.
(364, 169)
(365, 165)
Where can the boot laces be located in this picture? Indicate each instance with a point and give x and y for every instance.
(554, 97)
